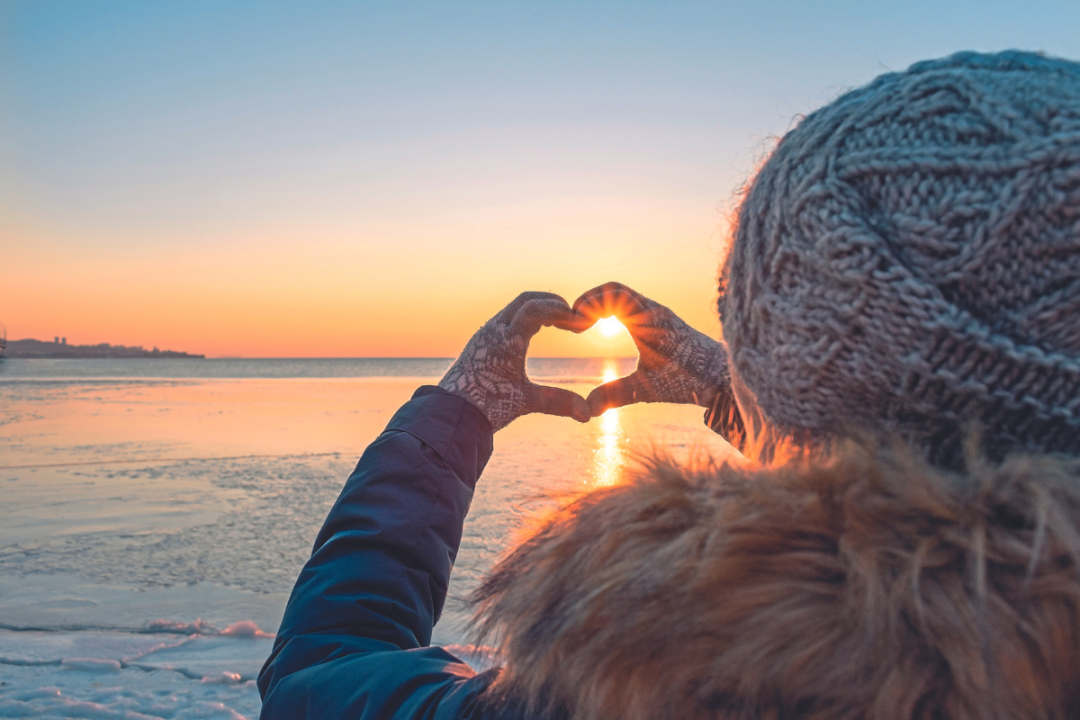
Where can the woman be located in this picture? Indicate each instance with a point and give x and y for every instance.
(906, 271)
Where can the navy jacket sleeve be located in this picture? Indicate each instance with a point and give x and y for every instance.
(354, 639)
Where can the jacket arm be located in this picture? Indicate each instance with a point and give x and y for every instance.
(353, 640)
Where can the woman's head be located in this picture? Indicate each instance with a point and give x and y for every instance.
(908, 260)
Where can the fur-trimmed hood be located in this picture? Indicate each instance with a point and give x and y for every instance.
(869, 586)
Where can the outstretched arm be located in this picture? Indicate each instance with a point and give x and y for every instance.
(360, 617)
(353, 641)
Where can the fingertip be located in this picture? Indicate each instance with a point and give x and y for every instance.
(540, 312)
(510, 312)
(581, 410)
(611, 298)
(557, 401)
(599, 403)
(577, 323)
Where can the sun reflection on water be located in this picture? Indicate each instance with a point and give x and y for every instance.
(610, 457)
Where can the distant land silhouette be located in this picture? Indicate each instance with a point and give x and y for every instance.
(29, 349)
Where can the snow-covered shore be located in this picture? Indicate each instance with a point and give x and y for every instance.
(110, 674)
(151, 528)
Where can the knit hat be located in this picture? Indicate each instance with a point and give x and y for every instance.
(908, 260)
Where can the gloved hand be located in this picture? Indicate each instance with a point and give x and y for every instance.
(490, 372)
(676, 363)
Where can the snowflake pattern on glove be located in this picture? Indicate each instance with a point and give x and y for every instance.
(490, 372)
(676, 363)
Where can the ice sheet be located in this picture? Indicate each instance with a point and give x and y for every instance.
(142, 518)
(48, 692)
(92, 674)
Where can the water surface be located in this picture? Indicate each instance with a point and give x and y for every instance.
(174, 499)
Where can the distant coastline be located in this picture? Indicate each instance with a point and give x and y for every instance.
(33, 349)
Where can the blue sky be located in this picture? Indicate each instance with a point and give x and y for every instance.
(486, 140)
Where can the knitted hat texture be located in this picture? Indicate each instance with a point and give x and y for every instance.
(908, 260)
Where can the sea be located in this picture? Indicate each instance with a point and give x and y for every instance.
(154, 513)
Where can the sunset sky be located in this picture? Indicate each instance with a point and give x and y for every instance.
(330, 179)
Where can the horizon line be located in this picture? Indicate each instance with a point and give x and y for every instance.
(411, 357)
(349, 357)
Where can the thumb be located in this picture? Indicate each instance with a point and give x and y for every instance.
(556, 401)
(540, 312)
(633, 388)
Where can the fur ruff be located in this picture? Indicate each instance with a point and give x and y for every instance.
(869, 586)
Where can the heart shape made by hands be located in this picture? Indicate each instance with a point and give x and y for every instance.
(597, 325)
(675, 363)
(605, 352)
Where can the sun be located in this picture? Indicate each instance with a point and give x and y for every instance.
(609, 326)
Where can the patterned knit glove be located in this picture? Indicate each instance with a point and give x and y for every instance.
(490, 372)
(676, 363)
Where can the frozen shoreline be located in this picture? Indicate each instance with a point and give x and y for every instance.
(143, 517)
(103, 674)
(74, 648)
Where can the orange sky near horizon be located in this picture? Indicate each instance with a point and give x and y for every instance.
(336, 179)
(357, 290)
